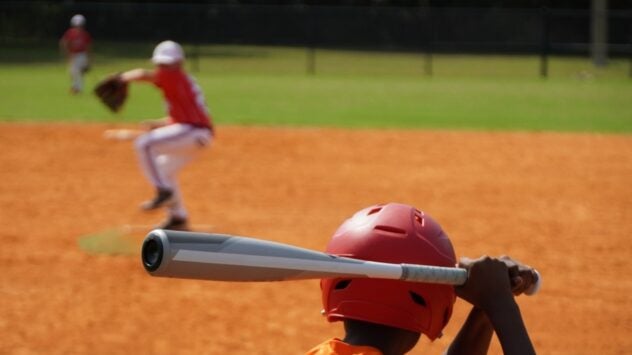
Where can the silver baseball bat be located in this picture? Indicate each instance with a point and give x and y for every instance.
(222, 257)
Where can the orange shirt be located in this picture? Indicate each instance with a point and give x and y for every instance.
(336, 346)
(76, 40)
(185, 101)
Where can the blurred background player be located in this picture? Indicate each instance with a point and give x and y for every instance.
(75, 43)
(175, 140)
(388, 316)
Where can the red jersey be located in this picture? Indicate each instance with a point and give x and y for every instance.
(76, 40)
(338, 347)
(185, 101)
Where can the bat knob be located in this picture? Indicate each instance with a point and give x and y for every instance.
(536, 286)
(152, 252)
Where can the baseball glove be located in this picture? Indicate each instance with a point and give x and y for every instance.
(112, 91)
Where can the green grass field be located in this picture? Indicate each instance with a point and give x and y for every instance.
(270, 86)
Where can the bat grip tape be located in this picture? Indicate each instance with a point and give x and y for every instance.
(434, 274)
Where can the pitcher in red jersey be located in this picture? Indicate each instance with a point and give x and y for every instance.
(75, 43)
(171, 142)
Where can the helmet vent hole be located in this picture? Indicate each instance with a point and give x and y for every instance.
(375, 210)
(419, 218)
(390, 229)
(418, 299)
(340, 285)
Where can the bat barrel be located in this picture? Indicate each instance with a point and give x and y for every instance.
(222, 257)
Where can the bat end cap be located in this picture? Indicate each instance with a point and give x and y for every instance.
(152, 252)
(536, 286)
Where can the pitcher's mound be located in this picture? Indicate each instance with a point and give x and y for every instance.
(123, 240)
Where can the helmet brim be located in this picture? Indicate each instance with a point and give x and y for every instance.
(164, 59)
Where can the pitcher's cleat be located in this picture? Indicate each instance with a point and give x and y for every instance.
(164, 197)
(175, 223)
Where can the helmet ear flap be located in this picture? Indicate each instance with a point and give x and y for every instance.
(447, 314)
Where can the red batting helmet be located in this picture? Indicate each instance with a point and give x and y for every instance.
(393, 233)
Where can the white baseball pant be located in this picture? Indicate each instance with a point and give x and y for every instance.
(164, 151)
(78, 62)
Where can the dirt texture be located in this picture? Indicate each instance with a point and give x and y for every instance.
(560, 202)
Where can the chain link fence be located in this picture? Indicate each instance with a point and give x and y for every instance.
(427, 30)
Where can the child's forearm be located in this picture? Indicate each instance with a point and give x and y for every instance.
(507, 322)
(137, 75)
(475, 335)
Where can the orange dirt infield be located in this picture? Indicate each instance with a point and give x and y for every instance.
(561, 202)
